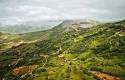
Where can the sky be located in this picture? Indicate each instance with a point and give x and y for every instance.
(28, 11)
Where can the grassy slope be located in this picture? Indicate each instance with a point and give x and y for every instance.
(72, 55)
(9, 40)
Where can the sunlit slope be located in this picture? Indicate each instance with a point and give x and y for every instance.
(9, 40)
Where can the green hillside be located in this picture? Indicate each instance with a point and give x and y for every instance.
(8, 40)
(67, 53)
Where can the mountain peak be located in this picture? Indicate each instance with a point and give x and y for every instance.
(79, 23)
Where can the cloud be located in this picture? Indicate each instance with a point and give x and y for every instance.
(17, 12)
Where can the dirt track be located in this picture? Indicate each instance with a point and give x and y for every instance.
(104, 76)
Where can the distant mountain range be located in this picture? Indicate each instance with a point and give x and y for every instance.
(33, 27)
(28, 27)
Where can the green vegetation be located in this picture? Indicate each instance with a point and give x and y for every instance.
(63, 54)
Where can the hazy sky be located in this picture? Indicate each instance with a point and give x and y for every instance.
(22, 11)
